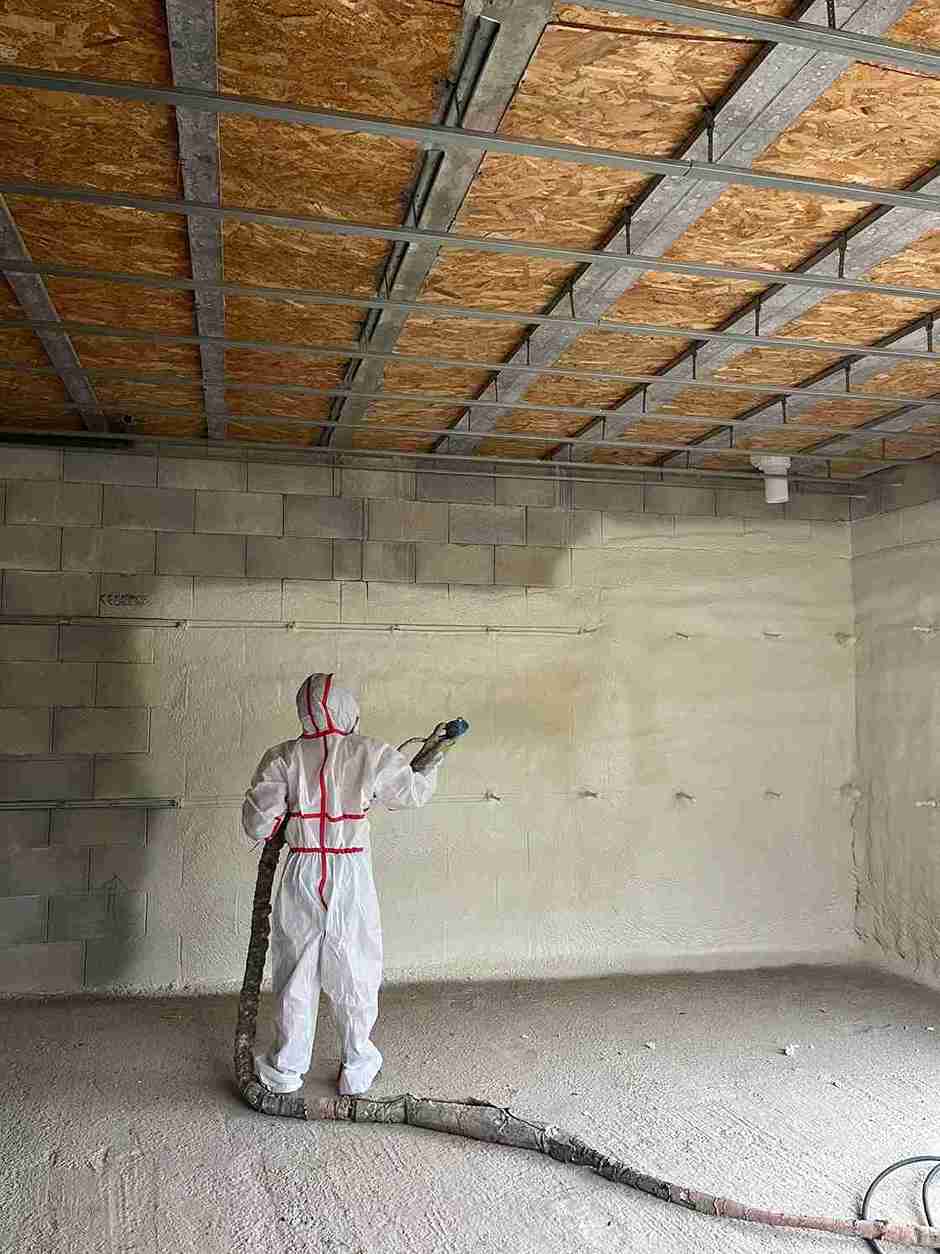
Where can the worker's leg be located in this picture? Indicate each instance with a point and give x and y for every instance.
(296, 939)
(351, 969)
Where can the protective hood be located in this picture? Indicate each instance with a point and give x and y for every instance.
(325, 707)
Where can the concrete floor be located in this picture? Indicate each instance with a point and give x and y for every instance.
(121, 1134)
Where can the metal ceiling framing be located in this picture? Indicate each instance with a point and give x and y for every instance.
(473, 243)
(770, 94)
(439, 136)
(496, 56)
(340, 350)
(302, 424)
(805, 56)
(35, 301)
(428, 309)
(191, 28)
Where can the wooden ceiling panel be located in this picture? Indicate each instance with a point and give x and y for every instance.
(251, 318)
(371, 56)
(106, 38)
(96, 237)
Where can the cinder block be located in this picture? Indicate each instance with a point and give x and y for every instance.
(911, 485)
(22, 919)
(108, 550)
(58, 779)
(407, 520)
(347, 559)
(109, 912)
(486, 605)
(389, 560)
(42, 968)
(117, 468)
(44, 871)
(540, 493)
(247, 599)
(737, 503)
(35, 592)
(290, 480)
(819, 507)
(377, 484)
(665, 498)
(21, 643)
(106, 643)
(286, 557)
(31, 463)
(405, 603)
(312, 602)
(157, 774)
(629, 528)
(123, 684)
(147, 962)
(458, 488)
(560, 527)
(201, 473)
(24, 731)
(78, 829)
(487, 524)
(354, 602)
(54, 504)
(621, 498)
(920, 523)
(881, 531)
(244, 513)
(149, 509)
(326, 517)
(102, 731)
(183, 554)
(455, 563)
(713, 530)
(146, 596)
(779, 530)
(23, 829)
(29, 548)
(46, 683)
(524, 566)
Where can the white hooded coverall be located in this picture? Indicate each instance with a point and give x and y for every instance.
(325, 928)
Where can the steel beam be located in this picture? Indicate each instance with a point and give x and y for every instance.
(35, 301)
(193, 56)
(471, 313)
(490, 69)
(748, 118)
(471, 243)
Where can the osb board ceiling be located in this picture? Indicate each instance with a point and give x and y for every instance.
(597, 79)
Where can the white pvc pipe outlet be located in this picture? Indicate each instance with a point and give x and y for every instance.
(774, 470)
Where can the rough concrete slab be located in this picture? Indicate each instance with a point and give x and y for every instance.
(716, 1103)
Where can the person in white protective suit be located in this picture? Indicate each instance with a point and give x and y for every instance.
(325, 929)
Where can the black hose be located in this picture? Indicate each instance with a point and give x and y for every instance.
(924, 1192)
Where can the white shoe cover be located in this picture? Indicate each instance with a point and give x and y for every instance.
(276, 1081)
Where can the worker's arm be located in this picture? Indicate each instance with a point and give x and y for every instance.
(398, 786)
(266, 800)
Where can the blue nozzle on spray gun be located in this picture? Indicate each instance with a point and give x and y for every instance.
(441, 740)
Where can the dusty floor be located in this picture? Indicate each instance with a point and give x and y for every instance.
(121, 1134)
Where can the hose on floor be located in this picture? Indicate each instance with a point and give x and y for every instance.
(483, 1121)
(924, 1191)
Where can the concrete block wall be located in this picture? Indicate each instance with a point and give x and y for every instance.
(896, 570)
(657, 676)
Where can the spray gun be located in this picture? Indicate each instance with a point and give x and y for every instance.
(441, 740)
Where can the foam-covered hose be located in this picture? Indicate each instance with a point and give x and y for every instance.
(482, 1121)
